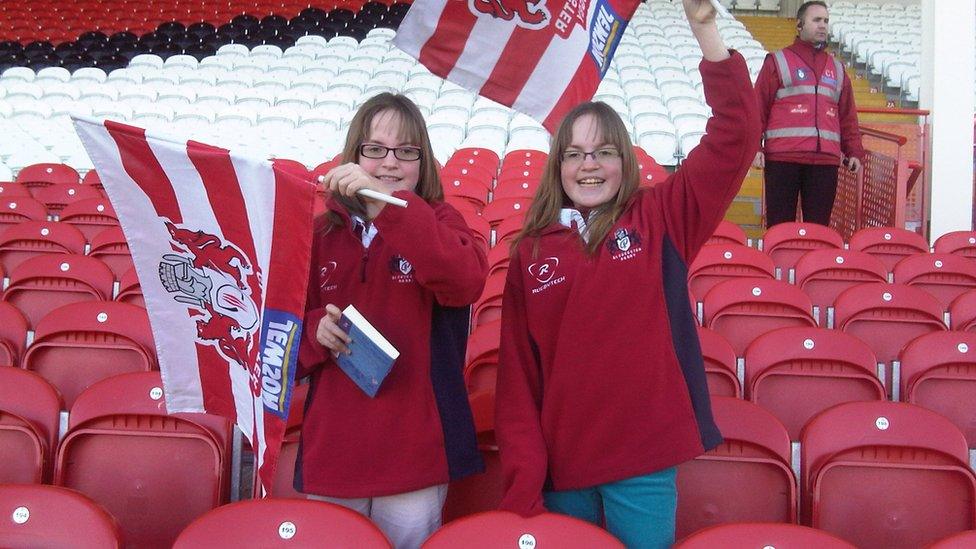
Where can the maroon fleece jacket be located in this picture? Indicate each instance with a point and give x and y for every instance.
(601, 376)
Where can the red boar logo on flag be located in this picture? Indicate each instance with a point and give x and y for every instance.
(222, 245)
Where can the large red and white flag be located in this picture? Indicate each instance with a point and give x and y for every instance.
(221, 244)
(540, 57)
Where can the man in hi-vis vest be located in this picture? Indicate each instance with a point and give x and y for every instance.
(810, 122)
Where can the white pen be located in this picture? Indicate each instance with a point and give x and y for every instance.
(376, 195)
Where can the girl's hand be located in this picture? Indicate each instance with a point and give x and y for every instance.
(348, 178)
(329, 334)
(699, 12)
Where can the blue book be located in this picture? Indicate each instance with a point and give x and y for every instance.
(371, 355)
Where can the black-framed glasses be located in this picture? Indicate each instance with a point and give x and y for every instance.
(603, 156)
(376, 152)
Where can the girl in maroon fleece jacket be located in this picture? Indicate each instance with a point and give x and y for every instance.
(601, 385)
(412, 272)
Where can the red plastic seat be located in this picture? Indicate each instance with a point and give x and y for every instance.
(483, 491)
(81, 343)
(130, 291)
(747, 478)
(92, 178)
(887, 317)
(761, 534)
(10, 189)
(516, 187)
(785, 243)
(962, 312)
(90, 216)
(957, 242)
(720, 364)
(938, 372)
(155, 474)
(741, 310)
(824, 274)
(13, 335)
(886, 475)
(58, 196)
(796, 373)
(35, 401)
(945, 276)
(281, 523)
(481, 363)
(111, 247)
(719, 262)
(43, 283)
(651, 173)
(525, 158)
(142, 393)
(495, 529)
(32, 238)
(39, 516)
(498, 259)
(284, 478)
(37, 176)
(481, 178)
(480, 228)
(468, 189)
(17, 209)
(488, 308)
(508, 230)
(463, 205)
(888, 244)
(479, 157)
(498, 210)
(728, 233)
(962, 540)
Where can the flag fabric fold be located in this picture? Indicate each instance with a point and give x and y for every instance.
(540, 57)
(221, 244)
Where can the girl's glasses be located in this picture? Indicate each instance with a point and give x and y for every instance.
(376, 152)
(603, 156)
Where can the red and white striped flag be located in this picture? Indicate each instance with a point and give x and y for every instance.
(221, 244)
(540, 57)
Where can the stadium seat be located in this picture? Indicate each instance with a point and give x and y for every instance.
(281, 523)
(497, 211)
(720, 364)
(786, 242)
(58, 196)
(32, 238)
(516, 187)
(824, 274)
(939, 373)
(747, 478)
(489, 306)
(467, 188)
(90, 216)
(888, 244)
(761, 534)
(886, 317)
(129, 289)
(504, 529)
(957, 242)
(962, 312)
(481, 363)
(480, 492)
(42, 175)
(962, 540)
(795, 373)
(128, 464)
(728, 233)
(720, 262)
(81, 343)
(741, 310)
(112, 249)
(507, 230)
(283, 484)
(48, 516)
(15, 209)
(944, 276)
(886, 475)
(29, 417)
(43, 283)
(13, 335)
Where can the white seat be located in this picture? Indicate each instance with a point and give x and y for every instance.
(297, 100)
(527, 140)
(311, 40)
(310, 82)
(264, 82)
(217, 64)
(236, 118)
(99, 92)
(255, 98)
(150, 60)
(235, 82)
(233, 50)
(62, 90)
(5, 173)
(89, 74)
(176, 95)
(319, 122)
(17, 73)
(181, 60)
(51, 75)
(445, 139)
(159, 79)
(199, 80)
(154, 115)
(216, 98)
(660, 145)
(112, 111)
(136, 96)
(277, 119)
(266, 50)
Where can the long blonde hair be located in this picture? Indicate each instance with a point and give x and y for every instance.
(550, 198)
(413, 130)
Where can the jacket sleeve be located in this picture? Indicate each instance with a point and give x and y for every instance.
(694, 200)
(312, 355)
(767, 84)
(850, 129)
(446, 258)
(518, 404)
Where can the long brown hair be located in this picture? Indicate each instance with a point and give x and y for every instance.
(550, 197)
(413, 130)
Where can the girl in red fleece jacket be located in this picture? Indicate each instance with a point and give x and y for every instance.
(601, 384)
(412, 272)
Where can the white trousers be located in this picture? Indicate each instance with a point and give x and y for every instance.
(407, 519)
